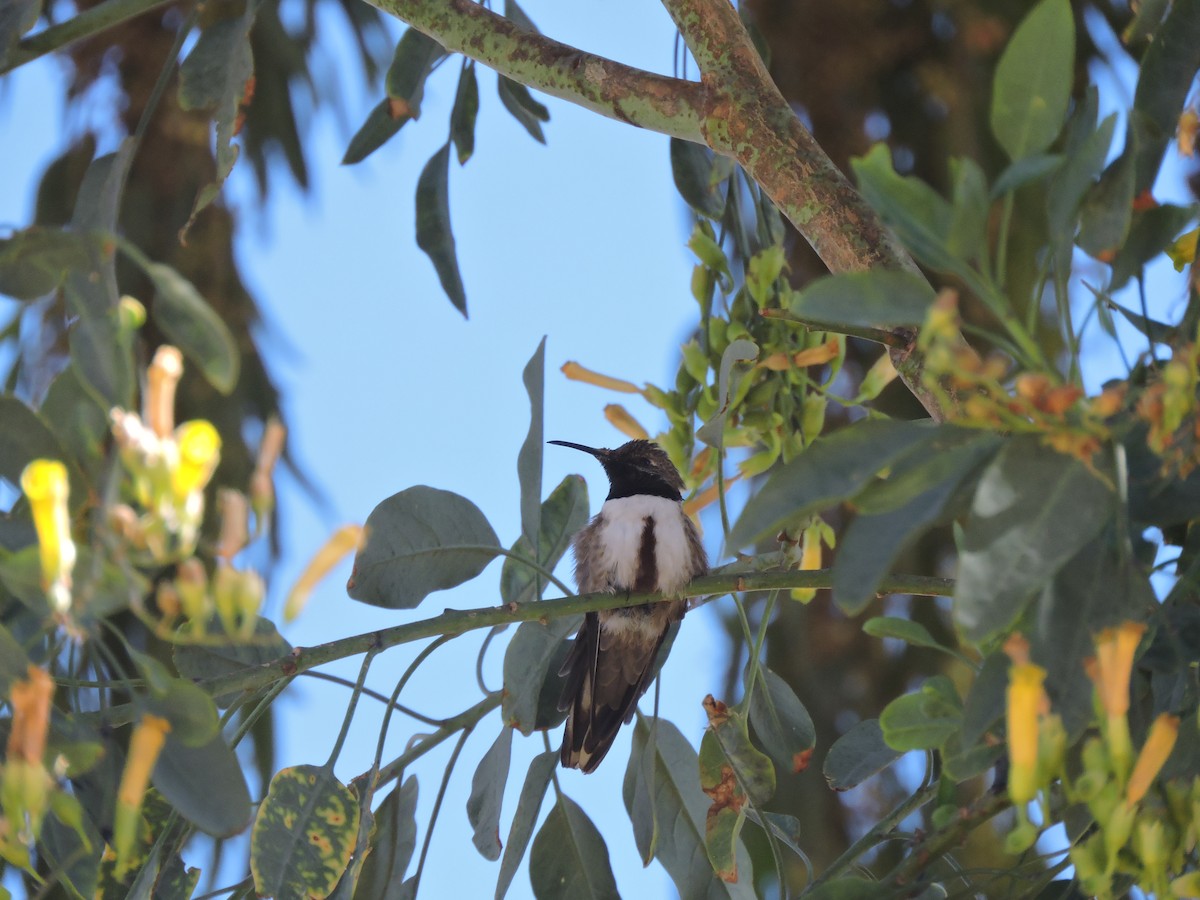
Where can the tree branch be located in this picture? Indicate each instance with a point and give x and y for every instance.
(634, 96)
(460, 621)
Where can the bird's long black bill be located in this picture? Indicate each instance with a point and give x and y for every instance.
(596, 452)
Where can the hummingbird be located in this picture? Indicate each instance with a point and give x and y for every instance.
(641, 540)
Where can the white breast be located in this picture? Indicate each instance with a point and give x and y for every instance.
(620, 540)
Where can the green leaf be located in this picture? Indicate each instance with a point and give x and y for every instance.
(1150, 233)
(218, 654)
(985, 702)
(781, 723)
(419, 541)
(205, 784)
(191, 712)
(520, 103)
(857, 755)
(462, 116)
(303, 834)
(741, 350)
(416, 55)
(562, 515)
(1077, 175)
(1033, 510)
(569, 859)
(392, 844)
(100, 353)
(925, 719)
(382, 124)
(14, 663)
(663, 779)
(879, 298)
(531, 664)
(906, 630)
(487, 793)
(433, 226)
(967, 237)
(961, 764)
(1168, 69)
(1027, 170)
(1107, 209)
(849, 888)
(696, 178)
(74, 858)
(529, 804)
(214, 77)
(763, 271)
(952, 455)
(1033, 80)
(752, 769)
(82, 423)
(921, 218)
(529, 460)
(832, 469)
(35, 261)
(194, 327)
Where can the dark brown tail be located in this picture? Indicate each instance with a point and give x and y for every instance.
(606, 674)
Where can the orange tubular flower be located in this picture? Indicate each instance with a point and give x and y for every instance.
(1025, 701)
(144, 749)
(1159, 743)
(31, 716)
(1115, 648)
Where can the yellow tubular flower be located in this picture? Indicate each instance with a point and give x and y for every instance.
(199, 452)
(44, 482)
(1025, 699)
(346, 539)
(621, 419)
(1159, 743)
(144, 749)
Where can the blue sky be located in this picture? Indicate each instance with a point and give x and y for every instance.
(387, 386)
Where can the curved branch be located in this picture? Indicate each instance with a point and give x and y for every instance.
(634, 96)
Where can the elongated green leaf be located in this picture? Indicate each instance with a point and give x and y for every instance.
(913, 633)
(952, 455)
(1027, 170)
(921, 218)
(984, 705)
(303, 834)
(696, 178)
(850, 888)
(531, 664)
(415, 56)
(392, 844)
(462, 117)
(738, 760)
(191, 712)
(100, 353)
(876, 299)
(383, 123)
(75, 861)
(569, 859)
(1033, 80)
(967, 237)
(781, 723)
(1076, 177)
(663, 779)
(873, 543)
(520, 103)
(741, 350)
(419, 541)
(563, 514)
(194, 327)
(205, 784)
(219, 655)
(1167, 72)
(487, 792)
(433, 226)
(832, 469)
(81, 422)
(529, 804)
(857, 755)
(529, 460)
(1107, 209)
(922, 720)
(1033, 510)
(35, 261)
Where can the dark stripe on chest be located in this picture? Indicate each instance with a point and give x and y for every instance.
(647, 568)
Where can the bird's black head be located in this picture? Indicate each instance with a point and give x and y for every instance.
(638, 467)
